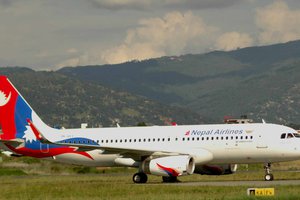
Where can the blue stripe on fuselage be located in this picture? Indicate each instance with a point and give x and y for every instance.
(22, 113)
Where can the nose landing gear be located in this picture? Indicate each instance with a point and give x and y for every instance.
(268, 175)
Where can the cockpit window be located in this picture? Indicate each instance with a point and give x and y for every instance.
(290, 135)
(297, 135)
(282, 136)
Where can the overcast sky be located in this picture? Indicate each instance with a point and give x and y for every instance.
(49, 34)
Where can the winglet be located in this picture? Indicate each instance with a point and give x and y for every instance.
(263, 121)
(39, 136)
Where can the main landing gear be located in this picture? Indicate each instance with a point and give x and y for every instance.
(268, 175)
(140, 178)
(170, 179)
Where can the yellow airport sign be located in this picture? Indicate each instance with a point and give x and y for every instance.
(261, 191)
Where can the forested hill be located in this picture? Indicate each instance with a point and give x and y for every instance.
(262, 82)
(68, 102)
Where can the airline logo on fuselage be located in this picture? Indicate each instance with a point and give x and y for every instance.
(214, 132)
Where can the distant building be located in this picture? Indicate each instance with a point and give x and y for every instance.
(84, 125)
(242, 120)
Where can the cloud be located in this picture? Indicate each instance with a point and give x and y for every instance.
(76, 59)
(278, 23)
(173, 34)
(233, 40)
(5, 3)
(121, 4)
(163, 4)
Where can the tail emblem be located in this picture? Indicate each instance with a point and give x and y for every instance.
(3, 99)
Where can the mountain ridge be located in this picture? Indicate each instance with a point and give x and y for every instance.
(64, 101)
(253, 80)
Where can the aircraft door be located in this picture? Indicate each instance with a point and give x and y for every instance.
(261, 142)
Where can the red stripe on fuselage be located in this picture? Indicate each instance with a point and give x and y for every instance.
(52, 152)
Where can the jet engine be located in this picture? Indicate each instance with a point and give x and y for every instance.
(169, 166)
(216, 169)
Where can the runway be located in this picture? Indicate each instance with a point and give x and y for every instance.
(238, 183)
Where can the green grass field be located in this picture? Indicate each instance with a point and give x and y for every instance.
(27, 178)
(120, 186)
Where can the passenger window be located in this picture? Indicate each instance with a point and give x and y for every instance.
(282, 136)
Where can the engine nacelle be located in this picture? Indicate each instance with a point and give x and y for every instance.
(216, 169)
(169, 166)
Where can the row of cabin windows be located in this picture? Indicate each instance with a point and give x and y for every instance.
(220, 138)
(136, 140)
(176, 139)
(81, 142)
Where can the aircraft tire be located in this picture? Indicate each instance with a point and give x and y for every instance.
(269, 177)
(140, 178)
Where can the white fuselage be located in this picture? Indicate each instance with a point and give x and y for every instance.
(234, 143)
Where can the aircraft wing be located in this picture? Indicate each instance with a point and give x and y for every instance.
(13, 142)
(200, 155)
(92, 145)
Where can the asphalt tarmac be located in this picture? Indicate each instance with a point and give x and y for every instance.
(239, 183)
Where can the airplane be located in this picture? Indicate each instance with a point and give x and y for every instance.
(17, 138)
(167, 151)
